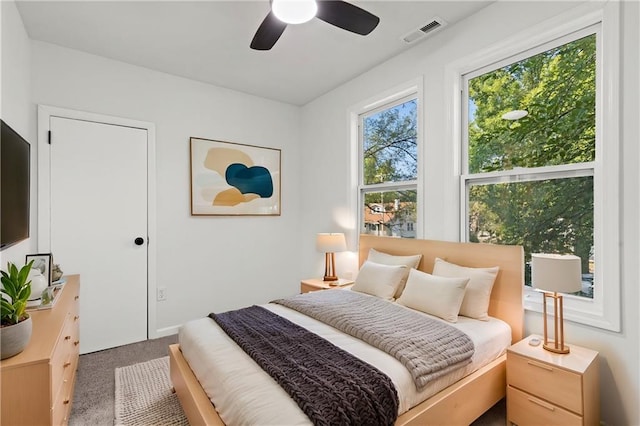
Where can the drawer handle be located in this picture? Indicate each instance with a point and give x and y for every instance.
(76, 298)
(66, 401)
(67, 337)
(76, 317)
(66, 364)
(543, 366)
(76, 343)
(542, 404)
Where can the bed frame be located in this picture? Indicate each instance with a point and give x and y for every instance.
(460, 403)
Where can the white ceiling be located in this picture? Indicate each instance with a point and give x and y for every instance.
(209, 41)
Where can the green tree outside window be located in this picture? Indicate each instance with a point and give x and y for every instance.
(390, 156)
(558, 90)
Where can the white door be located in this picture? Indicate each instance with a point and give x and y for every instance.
(98, 209)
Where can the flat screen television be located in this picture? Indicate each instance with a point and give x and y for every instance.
(15, 175)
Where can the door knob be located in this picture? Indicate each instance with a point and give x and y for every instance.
(139, 241)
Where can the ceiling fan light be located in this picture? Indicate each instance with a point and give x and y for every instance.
(516, 114)
(294, 11)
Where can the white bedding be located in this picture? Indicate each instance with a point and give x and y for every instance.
(244, 394)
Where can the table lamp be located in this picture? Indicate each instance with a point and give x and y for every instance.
(329, 243)
(553, 274)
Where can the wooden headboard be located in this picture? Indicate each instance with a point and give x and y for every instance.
(506, 296)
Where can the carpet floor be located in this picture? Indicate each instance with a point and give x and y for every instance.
(94, 396)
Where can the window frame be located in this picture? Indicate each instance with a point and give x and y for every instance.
(603, 311)
(383, 102)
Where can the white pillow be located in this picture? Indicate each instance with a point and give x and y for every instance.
(379, 280)
(439, 296)
(390, 259)
(476, 299)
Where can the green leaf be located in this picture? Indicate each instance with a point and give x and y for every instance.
(20, 308)
(13, 270)
(6, 308)
(24, 272)
(9, 287)
(24, 293)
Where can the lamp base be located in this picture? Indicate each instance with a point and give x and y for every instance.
(551, 347)
(329, 268)
(557, 346)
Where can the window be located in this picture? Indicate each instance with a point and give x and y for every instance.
(539, 158)
(388, 164)
(530, 153)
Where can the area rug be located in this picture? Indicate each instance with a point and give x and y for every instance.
(144, 396)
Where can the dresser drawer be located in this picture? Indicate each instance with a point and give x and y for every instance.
(524, 409)
(62, 405)
(74, 330)
(59, 358)
(545, 381)
(64, 357)
(74, 306)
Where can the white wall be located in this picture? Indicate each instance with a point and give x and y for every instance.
(16, 110)
(325, 126)
(206, 263)
(198, 258)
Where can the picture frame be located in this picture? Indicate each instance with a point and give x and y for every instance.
(233, 179)
(43, 262)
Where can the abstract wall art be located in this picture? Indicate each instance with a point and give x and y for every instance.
(234, 179)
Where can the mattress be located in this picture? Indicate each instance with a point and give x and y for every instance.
(244, 394)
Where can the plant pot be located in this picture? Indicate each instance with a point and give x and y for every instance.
(14, 338)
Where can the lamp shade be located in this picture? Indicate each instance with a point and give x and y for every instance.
(560, 273)
(331, 242)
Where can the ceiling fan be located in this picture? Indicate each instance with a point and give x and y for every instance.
(335, 12)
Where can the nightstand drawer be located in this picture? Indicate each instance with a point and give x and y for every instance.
(305, 288)
(524, 409)
(545, 381)
(316, 284)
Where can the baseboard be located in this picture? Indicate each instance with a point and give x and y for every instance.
(167, 331)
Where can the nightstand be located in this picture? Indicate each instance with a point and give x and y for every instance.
(544, 388)
(315, 284)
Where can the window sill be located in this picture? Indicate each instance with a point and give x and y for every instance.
(580, 310)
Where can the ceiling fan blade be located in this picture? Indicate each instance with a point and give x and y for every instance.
(268, 33)
(347, 16)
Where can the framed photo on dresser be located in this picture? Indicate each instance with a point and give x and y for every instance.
(41, 262)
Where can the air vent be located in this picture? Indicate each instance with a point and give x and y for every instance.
(430, 28)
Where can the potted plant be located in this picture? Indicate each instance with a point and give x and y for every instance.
(15, 323)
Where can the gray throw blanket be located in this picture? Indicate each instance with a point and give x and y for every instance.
(331, 386)
(428, 348)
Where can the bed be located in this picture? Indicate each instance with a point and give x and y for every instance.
(459, 403)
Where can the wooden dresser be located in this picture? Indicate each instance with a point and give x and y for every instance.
(37, 384)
